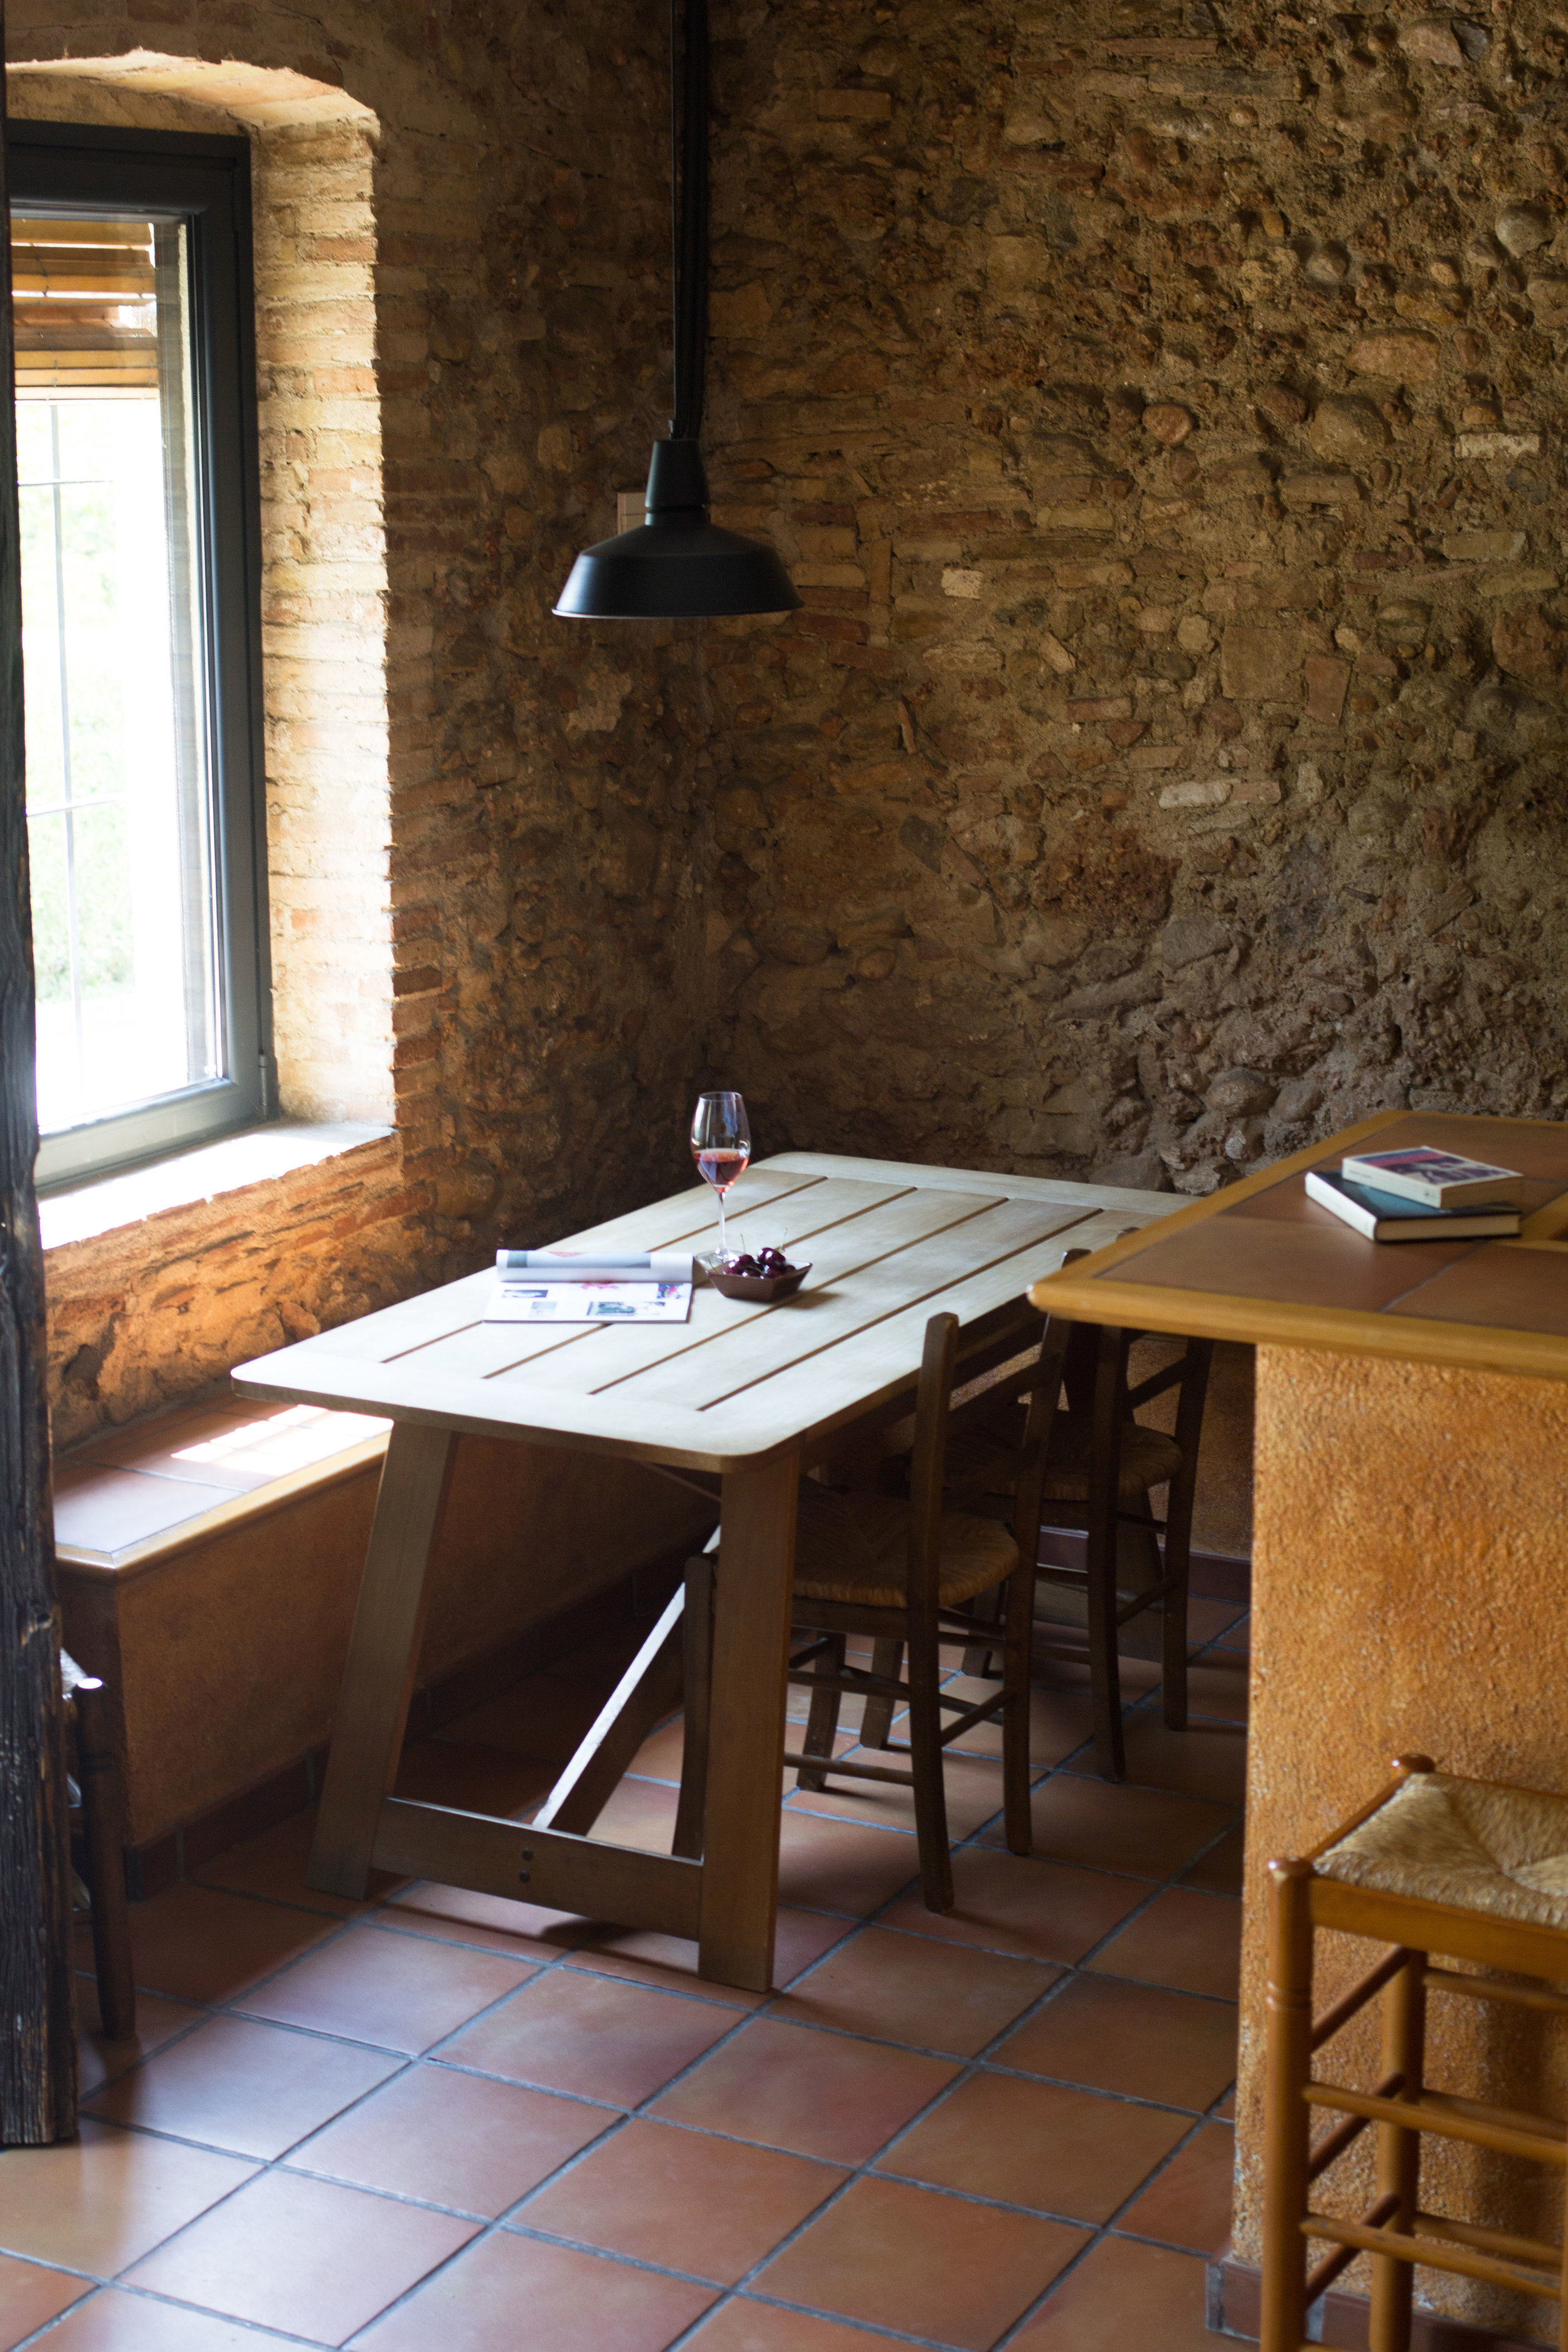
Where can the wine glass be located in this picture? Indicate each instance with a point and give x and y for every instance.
(720, 1145)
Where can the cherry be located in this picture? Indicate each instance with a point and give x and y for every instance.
(745, 1265)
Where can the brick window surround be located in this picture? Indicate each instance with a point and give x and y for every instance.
(324, 593)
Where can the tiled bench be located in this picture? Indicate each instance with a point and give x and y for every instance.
(208, 1562)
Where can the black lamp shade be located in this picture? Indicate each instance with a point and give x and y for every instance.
(676, 565)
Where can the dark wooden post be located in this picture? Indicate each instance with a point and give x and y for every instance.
(38, 2038)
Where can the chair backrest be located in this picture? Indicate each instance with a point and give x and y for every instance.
(927, 1460)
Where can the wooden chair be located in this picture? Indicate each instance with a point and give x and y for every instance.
(1102, 1465)
(904, 1572)
(1475, 1869)
(98, 1845)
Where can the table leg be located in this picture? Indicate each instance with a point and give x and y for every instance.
(384, 1649)
(751, 1656)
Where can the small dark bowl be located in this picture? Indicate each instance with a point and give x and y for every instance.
(763, 1289)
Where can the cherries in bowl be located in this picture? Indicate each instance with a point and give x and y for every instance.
(763, 1277)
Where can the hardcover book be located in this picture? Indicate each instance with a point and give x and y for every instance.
(1439, 1179)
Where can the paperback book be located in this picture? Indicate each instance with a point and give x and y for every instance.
(606, 1287)
(1437, 1179)
(1385, 1217)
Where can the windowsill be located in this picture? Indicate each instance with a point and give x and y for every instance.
(186, 1178)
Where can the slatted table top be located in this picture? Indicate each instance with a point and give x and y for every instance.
(1260, 1261)
(889, 1245)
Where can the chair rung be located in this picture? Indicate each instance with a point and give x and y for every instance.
(1322, 2276)
(836, 1764)
(1485, 1989)
(1427, 2253)
(1490, 2242)
(1431, 2111)
(1330, 2150)
(1325, 2027)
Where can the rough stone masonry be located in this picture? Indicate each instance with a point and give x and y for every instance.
(1159, 405)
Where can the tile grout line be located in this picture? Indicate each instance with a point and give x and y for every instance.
(852, 1925)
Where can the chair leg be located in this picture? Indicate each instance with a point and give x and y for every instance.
(926, 1760)
(1173, 1653)
(1286, 2121)
(987, 1609)
(697, 1678)
(823, 1720)
(1399, 2155)
(104, 1828)
(887, 1659)
(1104, 1530)
(1017, 1693)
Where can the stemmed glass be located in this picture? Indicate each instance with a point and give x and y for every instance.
(722, 1145)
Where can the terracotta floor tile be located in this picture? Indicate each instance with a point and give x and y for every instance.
(575, 2302)
(934, 2266)
(823, 2095)
(117, 2322)
(1209, 1619)
(1060, 1721)
(742, 2325)
(1238, 1637)
(658, 1758)
(29, 2294)
(101, 2201)
(592, 2036)
(1143, 1832)
(399, 1992)
(100, 2060)
(252, 2089)
(303, 2257)
(1145, 2043)
(475, 1780)
(1205, 1761)
(826, 1865)
(540, 1717)
(1189, 1941)
(1189, 2204)
(196, 1943)
(274, 1864)
(1220, 1870)
(1123, 2296)
(682, 2199)
(915, 1990)
(1218, 1689)
(455, 1915)
(640, 1813)
(1061, 2151)
(1226, 2110)
(670, 1961)
(453, 2139)
(1015, 1903)
(974, 1794)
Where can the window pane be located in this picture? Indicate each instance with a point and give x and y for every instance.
(118, 799)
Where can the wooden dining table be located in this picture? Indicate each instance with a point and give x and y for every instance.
(738, 1402)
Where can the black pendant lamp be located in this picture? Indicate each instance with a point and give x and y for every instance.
(678, 565)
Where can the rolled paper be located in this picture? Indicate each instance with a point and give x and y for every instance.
(519, 1267)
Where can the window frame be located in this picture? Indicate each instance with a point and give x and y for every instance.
(73, 170)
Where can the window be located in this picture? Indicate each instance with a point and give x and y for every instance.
(137, 483)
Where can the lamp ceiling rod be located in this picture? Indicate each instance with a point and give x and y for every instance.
(689, 184)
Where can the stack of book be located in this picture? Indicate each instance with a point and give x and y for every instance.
(1419, 1194)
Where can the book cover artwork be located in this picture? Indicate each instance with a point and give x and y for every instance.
(1439, 1179)
(563, 1287)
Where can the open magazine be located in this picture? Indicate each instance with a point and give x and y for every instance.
(606, 1287)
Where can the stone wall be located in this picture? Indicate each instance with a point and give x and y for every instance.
(481, 820)
(1157, 404)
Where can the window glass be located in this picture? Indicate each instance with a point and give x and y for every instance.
(120, 824)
